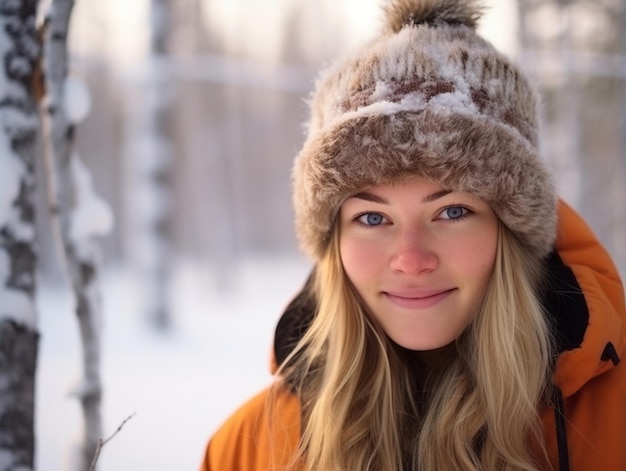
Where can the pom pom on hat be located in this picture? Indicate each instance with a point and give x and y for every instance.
(400, 13)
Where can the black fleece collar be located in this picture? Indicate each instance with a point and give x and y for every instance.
(565, 305)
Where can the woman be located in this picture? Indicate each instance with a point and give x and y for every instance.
(447, 325)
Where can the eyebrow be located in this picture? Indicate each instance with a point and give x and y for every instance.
(436, 196)
(370, 197)
(364, 195)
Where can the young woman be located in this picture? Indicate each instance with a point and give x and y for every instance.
(459, 317)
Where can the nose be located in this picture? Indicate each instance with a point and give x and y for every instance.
(414, 253)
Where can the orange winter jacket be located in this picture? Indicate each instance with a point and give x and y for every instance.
(585, 428)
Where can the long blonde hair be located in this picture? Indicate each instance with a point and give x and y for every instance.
(363, 408)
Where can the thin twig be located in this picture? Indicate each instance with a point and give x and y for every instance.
(102, 442)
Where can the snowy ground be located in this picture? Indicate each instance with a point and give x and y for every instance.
(181, 385)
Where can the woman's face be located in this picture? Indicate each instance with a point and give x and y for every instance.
(420, 258)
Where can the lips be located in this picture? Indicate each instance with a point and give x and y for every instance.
(421, 299)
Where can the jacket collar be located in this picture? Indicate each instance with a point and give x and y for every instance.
(587, 341)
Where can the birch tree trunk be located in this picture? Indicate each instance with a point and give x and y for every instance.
(19, 127)
(157, 125)
(150, 160)
(74, 200)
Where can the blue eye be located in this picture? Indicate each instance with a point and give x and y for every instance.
(454, 213)
(371, 219)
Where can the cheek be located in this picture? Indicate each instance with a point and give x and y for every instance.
(480, 257)
(361, 261)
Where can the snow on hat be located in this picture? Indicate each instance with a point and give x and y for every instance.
(428, 97)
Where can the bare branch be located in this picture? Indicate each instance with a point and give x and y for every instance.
(102, 442)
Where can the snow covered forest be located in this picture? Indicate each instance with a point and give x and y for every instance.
(146, 240)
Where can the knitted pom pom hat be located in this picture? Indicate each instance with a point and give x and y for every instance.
(427, 97)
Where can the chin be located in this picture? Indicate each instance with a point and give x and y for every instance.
(423, 346)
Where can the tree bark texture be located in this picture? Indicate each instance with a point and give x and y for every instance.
(18, 362)
(19, 127)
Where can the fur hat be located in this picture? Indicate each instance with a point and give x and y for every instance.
(427, 97)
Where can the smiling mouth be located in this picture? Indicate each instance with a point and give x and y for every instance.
(417, 302)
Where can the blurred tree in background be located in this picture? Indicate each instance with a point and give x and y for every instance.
(150, 162)
(577, 51)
